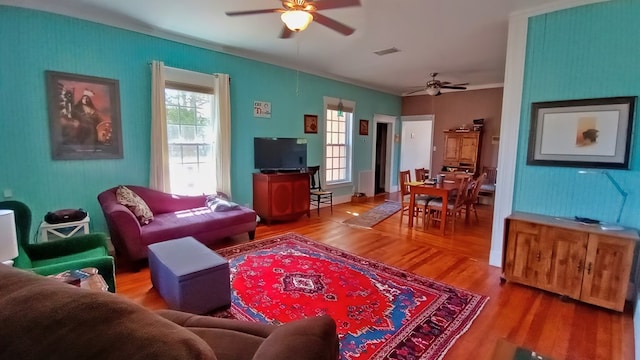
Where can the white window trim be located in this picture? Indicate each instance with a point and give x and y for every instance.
(327, 101)
(197, 80)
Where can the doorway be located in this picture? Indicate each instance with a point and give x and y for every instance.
(416, 144)
(382, 163)
(381, 158)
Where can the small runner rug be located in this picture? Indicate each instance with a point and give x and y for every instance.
(369, 218)
(381, 312)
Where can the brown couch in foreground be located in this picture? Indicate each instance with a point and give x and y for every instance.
(42, 318)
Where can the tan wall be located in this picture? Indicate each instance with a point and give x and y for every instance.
(454, 109)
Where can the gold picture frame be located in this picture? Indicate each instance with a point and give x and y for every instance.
(364, 127)
(310, 124)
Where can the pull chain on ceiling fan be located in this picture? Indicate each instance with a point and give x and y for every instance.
(298, 14)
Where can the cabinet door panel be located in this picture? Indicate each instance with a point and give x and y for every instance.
(607, 268)
(301, 195)
(281, 194)
(522, 253)
(451, 147)
(468, 149)
(566, 250)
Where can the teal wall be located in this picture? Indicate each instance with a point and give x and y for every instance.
(580, 53)
(34, 41)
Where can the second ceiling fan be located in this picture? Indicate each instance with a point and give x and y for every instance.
(298, 14)
(434, 86)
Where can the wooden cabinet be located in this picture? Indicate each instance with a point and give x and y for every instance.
(461, 150)
(559, 255)
(282, 197)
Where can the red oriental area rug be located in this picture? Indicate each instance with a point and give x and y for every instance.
(381, 312)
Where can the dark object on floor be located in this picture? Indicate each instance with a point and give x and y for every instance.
(44, 318)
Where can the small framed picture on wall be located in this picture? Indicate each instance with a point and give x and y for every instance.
(310, 124)
(364, 127)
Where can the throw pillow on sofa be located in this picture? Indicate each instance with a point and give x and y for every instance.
(133, 202)
(217, 203)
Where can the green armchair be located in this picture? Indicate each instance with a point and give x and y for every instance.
(54, 257)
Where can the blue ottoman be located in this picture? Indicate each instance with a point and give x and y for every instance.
(189, 276)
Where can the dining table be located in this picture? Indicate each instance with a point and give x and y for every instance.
(442, 190)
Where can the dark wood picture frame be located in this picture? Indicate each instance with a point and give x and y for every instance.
(364, 127)
(310, 124)
(588, 133)
(84, 117)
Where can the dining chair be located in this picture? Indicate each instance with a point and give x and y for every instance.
(317, 194)
(488, 188)
(472, 195)
(454, 207)
(422, 174)
(420, 202)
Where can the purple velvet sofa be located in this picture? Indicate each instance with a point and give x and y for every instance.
(174, 217)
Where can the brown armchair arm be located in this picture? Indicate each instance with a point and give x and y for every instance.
(307, 339)
(196, 321)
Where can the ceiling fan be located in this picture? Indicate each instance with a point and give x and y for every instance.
(433, 86)
(298, 14)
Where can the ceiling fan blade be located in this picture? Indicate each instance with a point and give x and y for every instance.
(286, 32)
(415, 91)
(453, 87)
(332, 24)
(252, 12)
(334, 4)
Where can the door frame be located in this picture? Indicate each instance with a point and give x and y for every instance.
(391, 131)
(426, 117)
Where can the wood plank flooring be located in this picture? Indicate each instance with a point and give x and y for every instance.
(525, 316)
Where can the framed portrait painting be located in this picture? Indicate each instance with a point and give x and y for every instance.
(311, 124)
(84, 117)
(364, 127)
(591, 133)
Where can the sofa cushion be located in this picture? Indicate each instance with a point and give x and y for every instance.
(193, 223)
(133, 202)
(43, 318)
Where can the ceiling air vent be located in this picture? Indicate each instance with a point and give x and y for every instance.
(386, 51)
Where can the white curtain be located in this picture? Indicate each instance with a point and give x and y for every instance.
(222, 112)
(159, 171)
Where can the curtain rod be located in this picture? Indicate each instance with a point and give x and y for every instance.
(216, 75)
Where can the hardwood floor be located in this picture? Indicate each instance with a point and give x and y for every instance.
(525, 316)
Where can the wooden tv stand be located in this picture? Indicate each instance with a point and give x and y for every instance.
(281, 196)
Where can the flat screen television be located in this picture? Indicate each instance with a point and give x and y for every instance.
(279, 154)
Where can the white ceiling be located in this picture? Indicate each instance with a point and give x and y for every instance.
(463, 40)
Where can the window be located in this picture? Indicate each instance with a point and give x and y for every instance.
(190, 137)
(337, 150)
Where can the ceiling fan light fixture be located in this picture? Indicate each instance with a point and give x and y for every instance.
(296, 20)
(433, 91)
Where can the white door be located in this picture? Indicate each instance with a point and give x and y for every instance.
(416, 143)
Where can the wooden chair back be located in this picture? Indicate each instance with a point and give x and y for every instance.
(475, 189)
(492, 173)
(422, 174)
(313, 171)
(405, 178)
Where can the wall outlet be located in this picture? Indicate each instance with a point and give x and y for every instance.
(8, 193)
